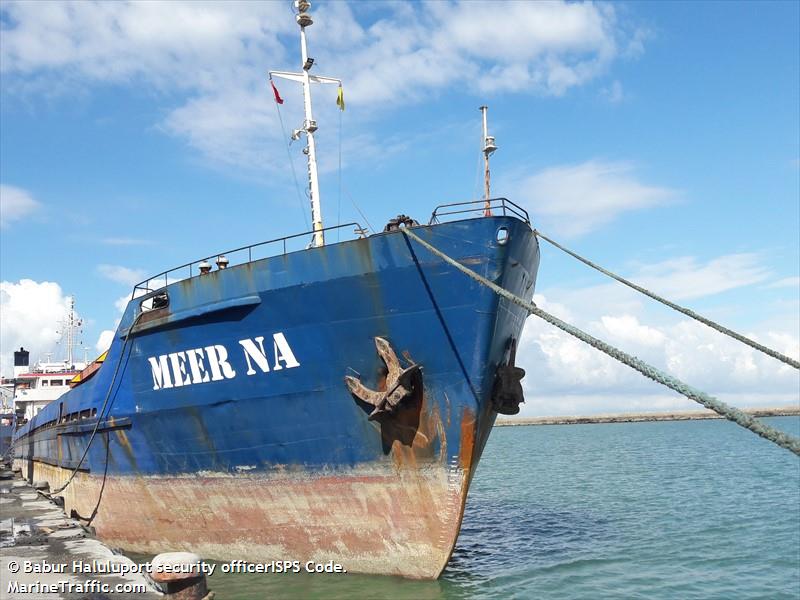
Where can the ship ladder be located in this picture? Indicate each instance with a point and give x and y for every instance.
(731, 413)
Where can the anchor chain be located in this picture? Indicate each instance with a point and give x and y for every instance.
(731, 413)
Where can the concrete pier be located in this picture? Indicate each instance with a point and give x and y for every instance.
(44, 554)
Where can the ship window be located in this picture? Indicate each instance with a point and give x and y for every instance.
(56, 382)
(502, 235)
(45, 382)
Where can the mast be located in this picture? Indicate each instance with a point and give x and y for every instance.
(68, 326)
(309, 124)
(488, 148)
(69, 332)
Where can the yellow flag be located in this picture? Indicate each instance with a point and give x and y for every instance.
(340, 99)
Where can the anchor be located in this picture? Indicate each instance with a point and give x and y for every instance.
(507, 391)
(400, 383)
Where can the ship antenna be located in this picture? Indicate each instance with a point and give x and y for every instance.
(69, 325)
(70, 329)
(488, 148)
(309, 124)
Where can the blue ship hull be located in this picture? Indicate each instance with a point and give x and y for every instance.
(229, 429)
(7, 426)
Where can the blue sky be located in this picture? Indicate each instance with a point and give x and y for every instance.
(660, 139)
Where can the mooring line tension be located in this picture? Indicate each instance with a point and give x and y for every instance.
(686, 311)
(731, 413)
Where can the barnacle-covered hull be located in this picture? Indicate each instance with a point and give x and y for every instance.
(230, 429)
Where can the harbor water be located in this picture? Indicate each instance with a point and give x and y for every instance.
(689, 509)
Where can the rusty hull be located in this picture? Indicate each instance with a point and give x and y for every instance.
(291, 462)
(390, 518)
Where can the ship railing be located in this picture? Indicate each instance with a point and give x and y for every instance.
(237, 256)
(498, 206)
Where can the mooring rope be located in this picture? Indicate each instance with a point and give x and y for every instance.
(102, 414)
(729, 412)
(688, 312)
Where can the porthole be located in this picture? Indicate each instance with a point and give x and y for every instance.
(502, 236)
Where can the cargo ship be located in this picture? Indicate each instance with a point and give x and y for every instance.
(324, 404)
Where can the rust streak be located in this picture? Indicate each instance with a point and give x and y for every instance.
(468, 423)
(372, 519)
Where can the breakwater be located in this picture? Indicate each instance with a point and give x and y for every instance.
(688, 415)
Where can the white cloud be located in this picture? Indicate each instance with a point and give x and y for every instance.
(790, 282)
(210, 57)
(613, 93)
(30, 313)
(628, 328)
(122, 302)
(676, 279)
(169, 44)
(565, 376)
(15, 204)
(104, 340)
(558, 365)
(560, 405)
(683, 278)
(572, 200)
(232, 127)
(107, 335)
(422, 48)
(123, 275)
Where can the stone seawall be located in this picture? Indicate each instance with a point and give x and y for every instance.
(688, 415)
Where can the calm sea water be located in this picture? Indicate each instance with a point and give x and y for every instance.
(690, 509)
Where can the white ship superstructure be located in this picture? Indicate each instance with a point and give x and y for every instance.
(35, 387)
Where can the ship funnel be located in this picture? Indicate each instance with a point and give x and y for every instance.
(21, 361)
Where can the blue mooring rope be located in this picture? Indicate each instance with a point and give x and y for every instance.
(731, 413)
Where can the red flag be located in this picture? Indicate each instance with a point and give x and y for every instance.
(278, 98)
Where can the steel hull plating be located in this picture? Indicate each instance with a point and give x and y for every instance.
(261, 453)
(6, 435)
(390, 522)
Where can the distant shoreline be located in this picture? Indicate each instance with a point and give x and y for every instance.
(688, 415)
